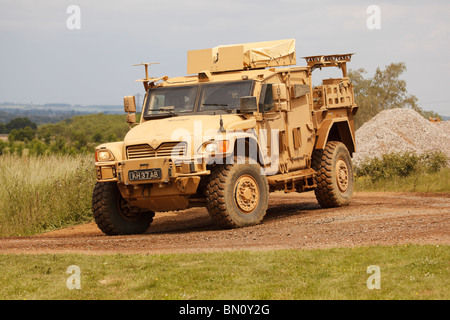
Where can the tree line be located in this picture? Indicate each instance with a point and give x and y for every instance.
(19, 123)
(77, 135)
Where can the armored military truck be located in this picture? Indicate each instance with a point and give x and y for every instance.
(244, 122)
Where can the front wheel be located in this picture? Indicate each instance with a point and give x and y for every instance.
(334, 179)
(237, 195)
(113, 215)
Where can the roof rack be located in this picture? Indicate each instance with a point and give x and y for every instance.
(334, 60)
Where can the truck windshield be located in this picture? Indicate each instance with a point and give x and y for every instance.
(170, 100)
(225, 97)
(218, 96)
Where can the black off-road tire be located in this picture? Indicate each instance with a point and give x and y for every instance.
(113, 216)
(334, 179)
(237, 195)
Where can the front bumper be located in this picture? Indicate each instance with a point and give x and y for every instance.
(170, 171)
(169, 191)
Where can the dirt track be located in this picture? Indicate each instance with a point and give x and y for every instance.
(293, 221)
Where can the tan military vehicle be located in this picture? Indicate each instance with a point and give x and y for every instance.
(241, 125)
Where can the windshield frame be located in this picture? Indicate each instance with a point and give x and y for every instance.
(197, 108)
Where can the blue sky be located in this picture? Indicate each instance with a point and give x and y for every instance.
(42, 61)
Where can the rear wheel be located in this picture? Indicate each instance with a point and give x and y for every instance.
(334, 177)
(237, 195)
(113, 215)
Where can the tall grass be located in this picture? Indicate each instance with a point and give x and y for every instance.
(438, 182)
(39, 193)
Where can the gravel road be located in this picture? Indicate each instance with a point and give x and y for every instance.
(293, 221)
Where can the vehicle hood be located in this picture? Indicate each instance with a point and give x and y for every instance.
(180, 128)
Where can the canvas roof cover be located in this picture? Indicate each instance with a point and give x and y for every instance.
(243, 56)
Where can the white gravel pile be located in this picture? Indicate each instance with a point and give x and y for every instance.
(400, 130)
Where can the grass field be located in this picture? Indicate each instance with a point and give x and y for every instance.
(417, 182)
(40, 193)
(405, 272)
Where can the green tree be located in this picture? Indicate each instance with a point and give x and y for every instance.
(113, 137)
(58, 146)
(97, 137)
(37, 147)
(80, 140)
(12, 135)
(385, 90)
(23, 134)
(20, 123)
(2, 147)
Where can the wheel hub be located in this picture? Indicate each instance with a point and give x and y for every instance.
(342, 175)
(246, 194)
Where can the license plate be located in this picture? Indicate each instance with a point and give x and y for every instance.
(147, 174)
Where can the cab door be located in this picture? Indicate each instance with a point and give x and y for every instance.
(292, 102)
(272, 130)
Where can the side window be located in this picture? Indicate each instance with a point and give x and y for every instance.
(266, 98)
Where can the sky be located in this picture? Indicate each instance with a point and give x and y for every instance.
(44, 59)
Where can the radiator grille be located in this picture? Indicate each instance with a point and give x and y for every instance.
(165, 150)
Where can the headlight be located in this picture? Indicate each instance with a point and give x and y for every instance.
(103, 155)
(213, 147)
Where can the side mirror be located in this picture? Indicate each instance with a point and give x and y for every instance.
(248, 104)
(131, 118)
(129, 104)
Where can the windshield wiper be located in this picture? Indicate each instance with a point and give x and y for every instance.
(168, 109)
(219, 105)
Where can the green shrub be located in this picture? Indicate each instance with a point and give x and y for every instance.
(434, 162)
(401, 165)
(2, 147)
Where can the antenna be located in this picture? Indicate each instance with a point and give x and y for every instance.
(146, 64)
(149, 82)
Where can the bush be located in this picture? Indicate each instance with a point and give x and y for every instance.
(435, 162)
(2, 147)
(401, 165)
